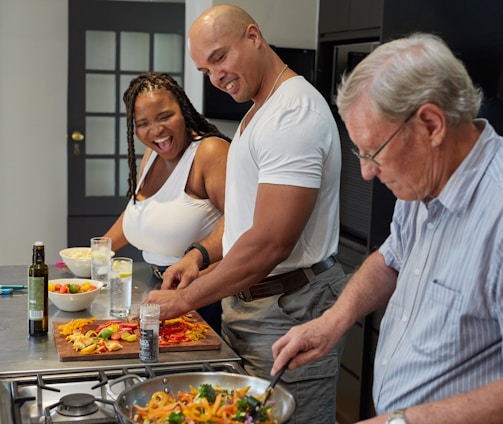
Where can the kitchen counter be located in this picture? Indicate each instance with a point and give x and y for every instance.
(20, 354)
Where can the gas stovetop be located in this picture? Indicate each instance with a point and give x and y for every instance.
(85, 396)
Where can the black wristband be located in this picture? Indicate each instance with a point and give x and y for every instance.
(204, 252)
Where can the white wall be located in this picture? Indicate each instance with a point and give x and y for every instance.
(33, 86)
(286, 23)
(33, 98)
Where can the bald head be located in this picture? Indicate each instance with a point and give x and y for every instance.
(223, 19)
(226, 44)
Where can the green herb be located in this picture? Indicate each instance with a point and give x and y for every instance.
(176, 418)
(207, 391)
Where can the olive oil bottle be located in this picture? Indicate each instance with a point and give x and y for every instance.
(38, 276)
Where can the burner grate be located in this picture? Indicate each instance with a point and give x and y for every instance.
(32, 394)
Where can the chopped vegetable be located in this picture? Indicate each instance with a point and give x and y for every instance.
(99, 340)
(207, 391)
(193, 407)
(185, 328)
(105, 333)
(176, 418)
(75, 324)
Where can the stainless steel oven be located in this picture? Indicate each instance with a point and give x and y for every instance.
(345, 57)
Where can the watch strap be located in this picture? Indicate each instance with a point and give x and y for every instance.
(204, 253)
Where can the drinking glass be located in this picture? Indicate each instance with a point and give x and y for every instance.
(121, 286)
(101, 253)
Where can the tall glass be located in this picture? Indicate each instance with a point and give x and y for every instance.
(121, 286)
(101, 253)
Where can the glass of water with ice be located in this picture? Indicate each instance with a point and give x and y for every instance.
(101, 253)
(121, 286)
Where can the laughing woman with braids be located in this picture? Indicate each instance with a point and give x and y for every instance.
(178, 196)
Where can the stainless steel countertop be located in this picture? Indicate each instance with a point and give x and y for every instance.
(20, 354)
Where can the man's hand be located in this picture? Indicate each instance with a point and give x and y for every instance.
(170, 302)
(303, 344)
(180, 274)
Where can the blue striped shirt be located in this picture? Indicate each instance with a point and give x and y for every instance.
(442, 331)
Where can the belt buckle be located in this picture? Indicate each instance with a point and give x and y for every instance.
(245, 296)
(156, 272)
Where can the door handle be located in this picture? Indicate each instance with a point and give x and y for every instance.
(77, 136)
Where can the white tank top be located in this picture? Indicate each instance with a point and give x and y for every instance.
(163, 225)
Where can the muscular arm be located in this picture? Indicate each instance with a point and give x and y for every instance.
(281, 213)
(369, 289)
(484, 405)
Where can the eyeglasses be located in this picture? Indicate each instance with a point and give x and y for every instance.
(371, 157)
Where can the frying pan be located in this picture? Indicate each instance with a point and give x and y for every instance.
(141, 393)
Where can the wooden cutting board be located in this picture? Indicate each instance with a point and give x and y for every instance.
(130, 349)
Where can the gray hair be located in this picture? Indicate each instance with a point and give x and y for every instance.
(401, 75)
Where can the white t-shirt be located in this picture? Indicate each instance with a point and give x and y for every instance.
(291, 140)
(163, 225)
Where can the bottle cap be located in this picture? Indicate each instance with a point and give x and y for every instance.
(150, 310)
(38, 243)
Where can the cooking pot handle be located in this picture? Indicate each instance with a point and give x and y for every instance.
(134, 377)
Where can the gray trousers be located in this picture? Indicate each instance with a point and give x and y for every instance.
(252, 327)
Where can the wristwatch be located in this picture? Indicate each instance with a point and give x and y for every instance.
(204, 252)
(398, 417)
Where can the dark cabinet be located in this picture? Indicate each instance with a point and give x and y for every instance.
(349, 15)
(473, 32)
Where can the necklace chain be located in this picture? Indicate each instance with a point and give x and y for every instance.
(275, 82)
(267, 98)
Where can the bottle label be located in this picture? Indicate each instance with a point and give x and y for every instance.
(36, 298)
(149, 345)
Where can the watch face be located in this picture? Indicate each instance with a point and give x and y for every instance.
(397, 418)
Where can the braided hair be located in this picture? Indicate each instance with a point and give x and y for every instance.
(194, 121)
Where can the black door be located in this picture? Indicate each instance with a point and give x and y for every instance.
(110, 42)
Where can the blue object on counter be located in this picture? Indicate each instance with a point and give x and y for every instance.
(6, 291)
(13, 286)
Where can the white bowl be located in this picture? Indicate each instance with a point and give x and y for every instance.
(72, 302)
(78, 260)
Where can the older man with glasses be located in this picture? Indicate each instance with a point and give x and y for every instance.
(439, 273)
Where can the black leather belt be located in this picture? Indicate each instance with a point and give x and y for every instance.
(284, 283)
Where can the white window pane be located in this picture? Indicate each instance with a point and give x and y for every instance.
(100, 177)
(100, 50)
(124, 84)
(168, 53)
(134, 51)
(124, 175)
(100, 93)
(139, 147)
(100, 135)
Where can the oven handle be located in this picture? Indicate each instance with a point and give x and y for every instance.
(134, 377)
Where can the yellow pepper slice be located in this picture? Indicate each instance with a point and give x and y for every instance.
(89, 349)
(128, 337)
